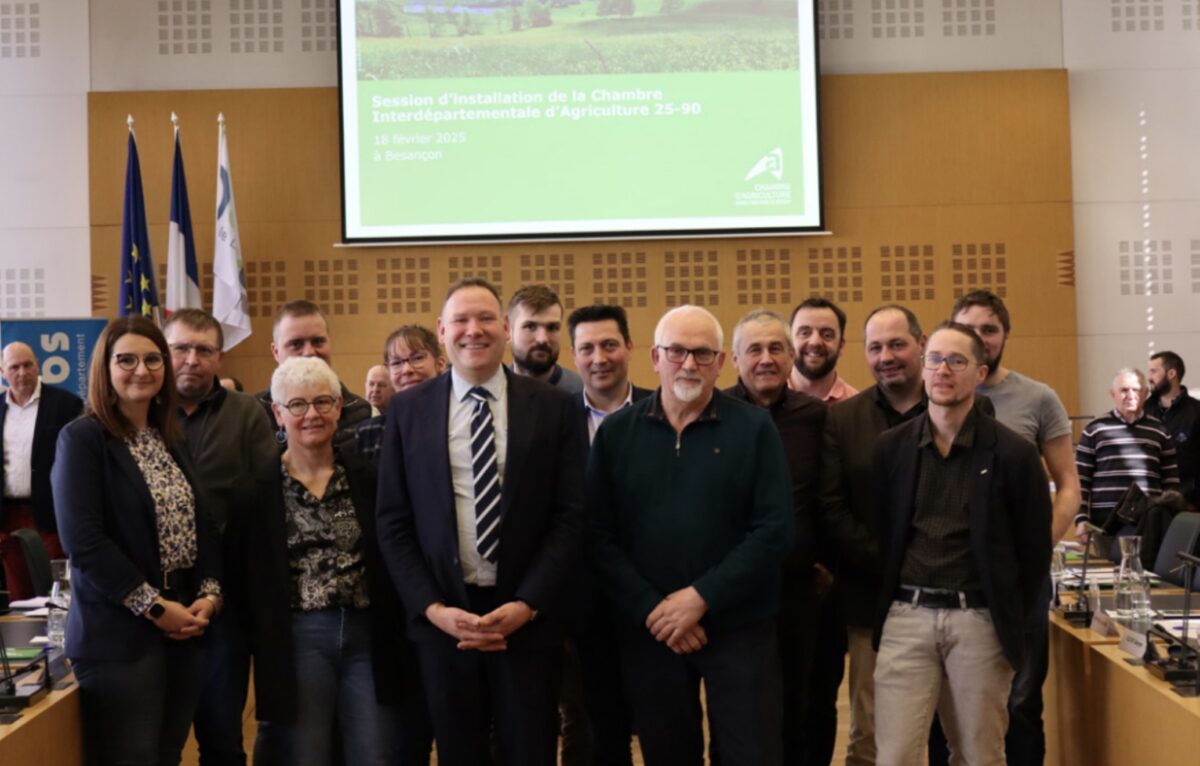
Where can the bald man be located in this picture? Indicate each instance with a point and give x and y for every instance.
(31, 415)
(691, 505)
(378, 387)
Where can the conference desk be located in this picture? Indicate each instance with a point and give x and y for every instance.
(50, 732)
(1102, 711)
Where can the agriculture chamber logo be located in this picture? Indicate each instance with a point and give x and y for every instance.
(764, 192)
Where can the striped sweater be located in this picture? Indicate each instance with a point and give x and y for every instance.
(1113, 454)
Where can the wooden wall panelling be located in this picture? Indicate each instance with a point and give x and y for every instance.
(937, 162)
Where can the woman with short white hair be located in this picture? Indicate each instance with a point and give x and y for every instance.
(326, 624)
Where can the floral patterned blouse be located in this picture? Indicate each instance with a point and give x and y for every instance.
(175, 511)
(325, 547)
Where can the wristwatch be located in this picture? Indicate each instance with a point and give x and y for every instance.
(156, 610)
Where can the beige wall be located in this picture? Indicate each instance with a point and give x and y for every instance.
(935, 183)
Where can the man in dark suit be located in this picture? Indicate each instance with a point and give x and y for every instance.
(480, 523)
(31, 415)
(963, 511)
(763, 354)
(596, 728)
(894, 343)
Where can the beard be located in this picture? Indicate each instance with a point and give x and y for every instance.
(536, 365)
(1161, 387)
(816, 373)
(993, 363)
(687, 390)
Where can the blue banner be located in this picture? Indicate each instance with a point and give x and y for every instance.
(63, 348)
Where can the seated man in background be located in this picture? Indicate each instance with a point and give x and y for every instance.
(1124, 447)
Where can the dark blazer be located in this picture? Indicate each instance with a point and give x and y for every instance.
(107, 523)
(541, 533)
(586, 595)
(1009, 511)
(56, 408)
(267, 617)
(582, 411)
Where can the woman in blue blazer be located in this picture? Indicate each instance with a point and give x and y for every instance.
(144, 564)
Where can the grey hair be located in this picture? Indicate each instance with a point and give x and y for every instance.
(689, 309)
(299, 371)
(1129, 371)
(762, 316)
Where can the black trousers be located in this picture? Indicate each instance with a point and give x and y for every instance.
(819, 732)
(740, 671)
(600, 694)
(797, 645)
(470, 693)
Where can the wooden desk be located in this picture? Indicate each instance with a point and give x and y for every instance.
(49, 733)
(1069, 694)
(1138, 719)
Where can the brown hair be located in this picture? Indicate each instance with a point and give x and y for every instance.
(415, 337)
(197, 319)
(535, 298)
(102, 399)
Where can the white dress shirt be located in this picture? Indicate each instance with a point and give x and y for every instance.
(18, 444)
(476, 569)
(596, 417)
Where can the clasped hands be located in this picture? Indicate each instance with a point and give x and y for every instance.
(676, 621)
(183, 622)
(486, 633)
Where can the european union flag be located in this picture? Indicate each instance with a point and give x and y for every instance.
(139, 295)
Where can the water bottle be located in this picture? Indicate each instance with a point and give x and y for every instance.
(58, 603)
(1131, 584)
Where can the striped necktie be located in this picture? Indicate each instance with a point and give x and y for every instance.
(487, 477)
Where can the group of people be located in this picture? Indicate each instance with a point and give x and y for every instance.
(488, 555)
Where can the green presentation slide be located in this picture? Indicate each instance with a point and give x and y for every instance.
(487, 119)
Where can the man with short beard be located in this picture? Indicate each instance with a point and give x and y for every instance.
(231, 442)
(893, 342)
(1180, 414)
(691, 507)
(819, 335)
(763, 355)
(535, 315)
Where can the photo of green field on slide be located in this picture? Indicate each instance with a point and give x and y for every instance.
(419, 39)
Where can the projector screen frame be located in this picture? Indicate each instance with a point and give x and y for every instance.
(690, 233)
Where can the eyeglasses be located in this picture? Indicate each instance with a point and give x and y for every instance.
(185, 349)
(956, 362)
(322, 404)
(129, 362)
(679, 354)
(413, 360)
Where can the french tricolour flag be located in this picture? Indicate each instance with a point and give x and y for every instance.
(183, 278)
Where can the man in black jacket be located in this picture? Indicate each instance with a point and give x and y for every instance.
(763, 354)
(894, 342)
(31, 415)
(596, 726)
(963, 513)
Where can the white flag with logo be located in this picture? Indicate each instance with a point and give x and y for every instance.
(230, 306)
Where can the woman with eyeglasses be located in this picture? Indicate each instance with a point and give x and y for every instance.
(326, 626)
(144, 560)
(412, 356)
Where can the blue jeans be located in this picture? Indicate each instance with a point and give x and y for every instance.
(137, 712)
(335, 684)
(226, 679)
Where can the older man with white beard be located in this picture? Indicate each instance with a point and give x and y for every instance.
(690, 498)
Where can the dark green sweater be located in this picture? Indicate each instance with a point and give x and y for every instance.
(709, 507)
